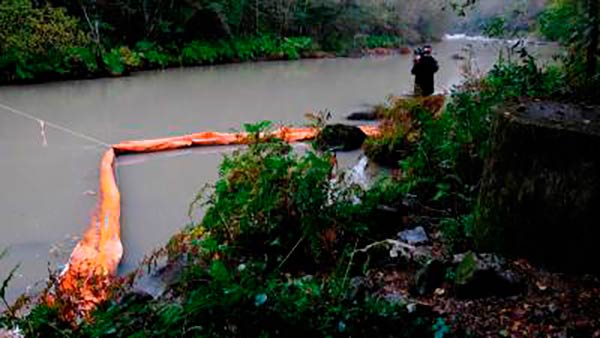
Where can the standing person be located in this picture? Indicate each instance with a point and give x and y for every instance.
(416, 57)
(424, 68)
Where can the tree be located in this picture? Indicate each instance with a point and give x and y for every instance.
(592, 38)
(574, 23)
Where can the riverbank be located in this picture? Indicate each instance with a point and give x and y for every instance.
(85, 63)
(42, 41)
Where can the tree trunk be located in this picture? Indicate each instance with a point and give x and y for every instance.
(592, 49)
(540, 192)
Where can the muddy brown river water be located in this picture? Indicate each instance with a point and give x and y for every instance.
(48, 180)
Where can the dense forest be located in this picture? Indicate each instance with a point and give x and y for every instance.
(43, 40)
(516, 16)
(450, 242)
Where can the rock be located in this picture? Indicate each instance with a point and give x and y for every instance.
(414, 236)
(422, 254)
(381, 216)
(540, 188)
(340, 137)
(395, 297)
(484, 275)
(457, 56)
(362, 116)
(137, 297)
(380, 51)
(430, 277)
(358, 286)
(390, 252)
(488, 261)
(318, 55)
(11, 333)
(405, 51)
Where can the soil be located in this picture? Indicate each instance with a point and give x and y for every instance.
(552, 305)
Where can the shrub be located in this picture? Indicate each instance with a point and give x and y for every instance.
(292, 48)
(36, 41)
(401, 129)
(153, 55)
(34, 31)
(199, 52)
(83, 60)
(269, 198)
(458, 232)
(113, 62)
(377, 41)
(560, 21)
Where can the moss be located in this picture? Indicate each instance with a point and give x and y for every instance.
(541, 189)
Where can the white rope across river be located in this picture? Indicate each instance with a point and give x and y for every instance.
(43, 123)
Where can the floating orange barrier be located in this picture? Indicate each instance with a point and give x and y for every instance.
(94, 261)
(96, 257)
(370, 130)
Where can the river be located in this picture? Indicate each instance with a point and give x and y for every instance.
(49, 176)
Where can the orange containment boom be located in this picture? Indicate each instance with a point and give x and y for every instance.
(95, 259)
(93, 263)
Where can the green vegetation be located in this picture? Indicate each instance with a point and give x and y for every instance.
(565, 12)
(275, 255)
(573, 23)
(576, 25)
(500, 18)
(377, 41)
(441, 154)
(74, 62)
(37, 41)
(42, 41)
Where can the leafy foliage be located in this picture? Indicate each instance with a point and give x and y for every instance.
(574, 24)
(501, 19)
(496, 27)
(561, 21)
(441, 155)
(118, 61)
(273, 256)
(66, 39)
(36, 41)
(34, 31)
(153, 56)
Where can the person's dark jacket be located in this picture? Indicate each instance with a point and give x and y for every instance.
(423, 71)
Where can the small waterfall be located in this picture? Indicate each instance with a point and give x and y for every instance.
(358, 174)
(355, 176)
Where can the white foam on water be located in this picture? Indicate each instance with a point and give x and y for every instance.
(478, 38)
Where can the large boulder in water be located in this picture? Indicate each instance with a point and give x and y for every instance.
(363, 116)
(340, 137)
